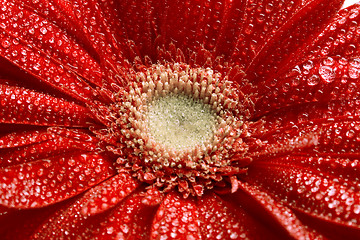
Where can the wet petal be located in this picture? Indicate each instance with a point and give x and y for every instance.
(29, 220)
(290, 38)
(42, 150)
(281, 214)
(107, 194)
(34, 30)
(176, 218)
(27, 146)
(308, 190)
(319, 80)
(48, 181)
(99, 24)
(19, 105)
(66, 222)
(216, 20)
(139, 23)
(341, 36)
(261, 20)
(60, 12)
(308, 118)
(129, 220)
(45, 68)
(23, 138)
(220, 220)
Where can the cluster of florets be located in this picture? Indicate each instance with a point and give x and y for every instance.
(153, 150)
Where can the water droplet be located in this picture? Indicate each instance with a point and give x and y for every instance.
(350, 49)
(109, 230)
(261, 18)
(37, 67)
(354, 14)
(40, 172)
(308, 65)
(81, 177)
(328, 61)
(71, 162)
(5, 43)
(354, 68)
(269, 7)
(350, 133)
(327, 73)
(249, 29)
(43, 30)
(313, 80)
(356, 209)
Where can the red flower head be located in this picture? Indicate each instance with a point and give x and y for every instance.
(196, 119)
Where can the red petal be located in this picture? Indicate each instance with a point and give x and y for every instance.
(341, 37)
(177, 22)
(40, 64)
(309, 191)
(43, 67)
(129, 220)
(334, 167)
(101, 26)
(261, 20)
(45, 149)
(176, 218)
(279, 213)
(307, 116)
(79, 138)
(58, 11)
(320, 80)
(193, 25)
(220, 220)
(288, 41)
(18, 105)
(26, 146)
(18, 139)
(45, 182)
(107, 194)
(138, 22)
(34, 30)
(66, 223)
(339, 139)
(231, 23)
(22, 224)
(333, 139)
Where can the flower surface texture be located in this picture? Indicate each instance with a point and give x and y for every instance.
(179, 119)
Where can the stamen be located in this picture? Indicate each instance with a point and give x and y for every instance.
(177, 124)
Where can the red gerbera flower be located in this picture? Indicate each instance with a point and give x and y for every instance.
(213, 119)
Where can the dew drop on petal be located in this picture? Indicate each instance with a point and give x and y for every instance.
(328, 61)
(43, 30)
(327, 73)
(5, 43)
(313, 80)
(354, 68)
(356, 209)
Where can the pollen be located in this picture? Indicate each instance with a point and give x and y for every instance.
(177, 125)
(180, 122)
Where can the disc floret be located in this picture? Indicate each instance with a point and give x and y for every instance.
(178, 126)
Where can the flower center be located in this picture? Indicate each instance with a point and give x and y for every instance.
(177, 126)
(180, 122)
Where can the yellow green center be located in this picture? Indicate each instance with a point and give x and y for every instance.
(179, 121)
